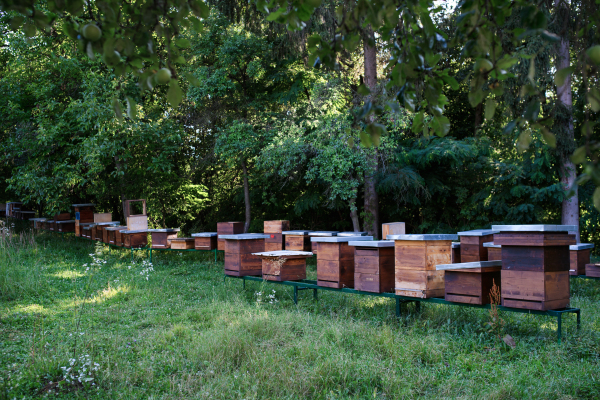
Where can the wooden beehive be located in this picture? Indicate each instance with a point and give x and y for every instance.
(471, 282)
(416, 257)
(102, 217)
(161, 238)
(283, 265)
(494, 251)
(112, 235)
(105, 232)
(314, 246)
(535, 265)
(119, 237)
(65, 226)
(455, 252)
(27, 215)
(592, 270)
(335, 260)
(471, 244)
(205, 240)
(239, 260)
(37, 223)
(86, 231)
(84, 213)
(182, 243)
(392, 228)
(297, 240)
(135, 239)
(373, 265)
(579, 257)
(98, 232)
(274, 229)
(228, 228)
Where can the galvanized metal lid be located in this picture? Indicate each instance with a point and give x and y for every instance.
(371, 243)
(469, 265)
(136, 231)
(280, 253)
(339, 239)
(244, 236)
(115, 228)
(167, 230)
(323, 233)
(491, 244)
(68, 221)
(112, 223)
(205, 234)
(456, 245)
(181, 239)
(478, 232)
(296, 232)
(534, 228)
(83, 205)
(578, 246)
(352, 234)
(38, 219)
(423, 237)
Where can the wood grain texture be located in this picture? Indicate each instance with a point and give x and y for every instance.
(297, 242)
(240, 261)
(415, 267)
(183, 244)
(472, 250)
(534, 239)
(592, 270)
(228, 228)
(137, 222)
(535, 258)
(538, 290)
(374, 269)
(288, 269)
(119, 238)
(102, 217)
(135, 240)
(274, 242)
(335, 263)
(162, 240)
(276, 226)
(392, 228)
(578, 261)
(474, 287)
(456, 255)
(205, 243)
(494, 253)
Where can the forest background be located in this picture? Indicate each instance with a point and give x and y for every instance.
(261, 132)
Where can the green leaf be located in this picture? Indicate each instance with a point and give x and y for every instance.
(183, 43)
(490, 109)
(594, 54)
(29, 29)
(549, 137)
(174, 94)
(193, 80)
(365, 139)
(351, 142)
(597, 198)
(417, 125)
(16, 22)
(274, 15)
(561, 75)
(524, 141)
(117, 109)
(579, 155)
(131, 108)
(593, 97)
(531, 74)
(451, 81)
(363, 90)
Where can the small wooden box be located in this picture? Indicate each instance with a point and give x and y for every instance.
(471, 244)
(127, 208)
(27, 215)
(205, 240)
(112, 235)
(182, 243)
(415, 266)
(102, 217)
(335, 261)
(274, 242)
(592, 270)
(297, 240)
(98, 232)
(314, 246)
(284, 265)
(276, 226)
(86, 231)
(471, 282)
(134, 239)
(455, 252)
(579, 257)
(161, 238)
(494, 251)
(105, 232)
(239, 260)
(120, 238)
(228, 228)
(65, 226)
(374, 266)
(535, 290)
(38, 223)
(392, 228)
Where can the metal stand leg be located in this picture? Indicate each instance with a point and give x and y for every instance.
(315, 294)
(150, 254)
(559, 328)
(418, 306)
(132, 254)
(244, 280)
(578, 312)
(215, 255)
(398, 308)
(296, 295)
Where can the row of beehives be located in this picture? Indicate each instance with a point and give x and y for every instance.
(15, 209)
(531, 271)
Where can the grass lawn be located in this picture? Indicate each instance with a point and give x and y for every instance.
(177, 330)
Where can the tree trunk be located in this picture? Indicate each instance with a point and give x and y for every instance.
(246, 197)
(371, 222)
(354, 215)
(564, 122)
(122, 187)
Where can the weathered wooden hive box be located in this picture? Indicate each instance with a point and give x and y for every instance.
(27, 215)
(455, 252)
(416, 257)
(228, 228)
(494, 251)
(335, 260)
(65, 226)
(113, 238)
(102, 217)
(373, 265)
(580, 256)
(314, 246)
(104, 229)
(119, 237)
(283, 265)
(275, 229)
(86, 231)
(592, 270)
(297, 240)
(135, 222)
(471, 282)
(84, 213)
(161, 238)
(98, 232)
(12, 207)
(392, 228)
(134, 239)
(59, 217)
(239, 260)
(535, 265)
(471, 244)
(37, 223)
(205, 240)
(183, 243)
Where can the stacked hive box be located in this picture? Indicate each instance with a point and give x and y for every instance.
(455, 252)
(84, 213)
(416, 257)
(335, 260)
(65, 226)
(284, 265)
(392, 228)
(470, 282)
(494, 251)
(535, 265)
(471, 244)
(86, 231)
(114, 234)
(580, 257)
(37, 223)
(59, 217)
(228, 228)
(275, 229)
(373, 265)
(205, 240)
(297, 240)
(98, 232)
(161, 238)
(239, 260)
(592, 270)
(134, 238)
(314, 246)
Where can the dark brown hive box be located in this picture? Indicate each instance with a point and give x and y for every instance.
(455, 252)
(161, 238)
(471, 282)
(314, 246)
(84, 213)
(205, 240)
(335, 260)
(274, 229)
(535, 265)
(374, 265)
(283, 265)
(494, 251)
(65, 226)
(182, 243)
(297, 240)
(579, 257)
(98, 232)
(135, 239)
(112, 234)
(592, 270)
(471, 244)
(228, 228)
(239, 260)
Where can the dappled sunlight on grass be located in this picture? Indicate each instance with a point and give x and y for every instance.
(32, 309)
(67, 274)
